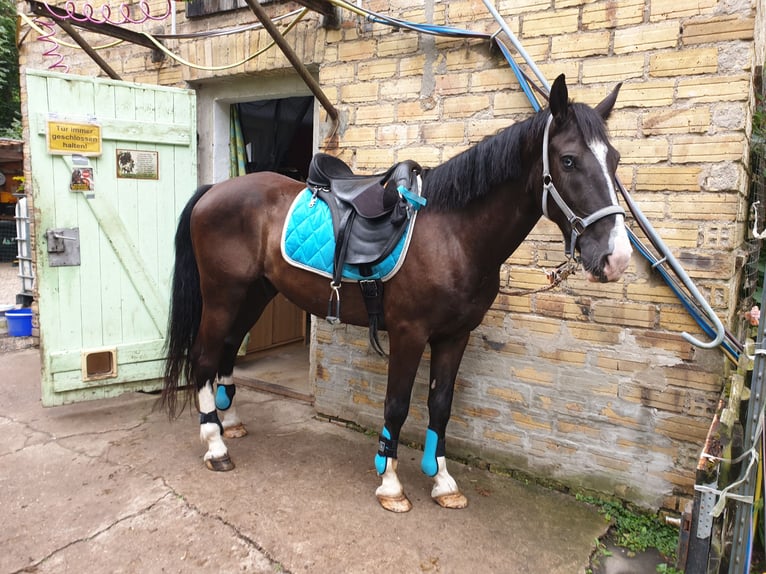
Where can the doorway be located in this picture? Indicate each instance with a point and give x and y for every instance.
(275, 135)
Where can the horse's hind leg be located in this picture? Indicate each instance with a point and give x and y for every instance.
(258, 297)
(219, 327)
(445, 361)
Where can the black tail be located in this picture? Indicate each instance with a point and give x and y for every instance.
(185, 313)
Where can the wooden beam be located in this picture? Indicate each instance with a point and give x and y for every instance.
(60, 15)
(67, 26)
(292, 57)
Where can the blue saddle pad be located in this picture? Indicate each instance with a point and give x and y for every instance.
(308, 242)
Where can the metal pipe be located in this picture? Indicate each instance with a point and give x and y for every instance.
(292, 57)
(516, 44)
(678, 270)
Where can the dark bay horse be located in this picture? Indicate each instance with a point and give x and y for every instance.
(481, 206)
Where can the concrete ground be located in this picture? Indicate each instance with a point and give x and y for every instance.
(113, 486)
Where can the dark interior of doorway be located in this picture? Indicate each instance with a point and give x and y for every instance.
(278, 135)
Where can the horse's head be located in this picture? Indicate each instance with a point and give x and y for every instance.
(578, 193)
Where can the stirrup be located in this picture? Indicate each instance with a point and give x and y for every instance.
(333, 305)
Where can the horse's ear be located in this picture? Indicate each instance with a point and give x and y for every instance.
(606, 105)
(559, 98)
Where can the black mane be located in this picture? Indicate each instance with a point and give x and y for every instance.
(473, 173)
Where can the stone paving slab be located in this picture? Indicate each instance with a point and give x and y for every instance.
(113, 486)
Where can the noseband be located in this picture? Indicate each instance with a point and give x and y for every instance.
(578, 224)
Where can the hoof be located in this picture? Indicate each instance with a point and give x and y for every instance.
(395, 503)
(219, 464)
(454, 500)
(236, 431)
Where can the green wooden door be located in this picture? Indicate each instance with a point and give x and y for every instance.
(103, 318)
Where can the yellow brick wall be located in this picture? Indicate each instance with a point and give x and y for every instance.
(591, 385)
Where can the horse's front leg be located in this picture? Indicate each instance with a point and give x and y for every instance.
(445, 361)
(211, 431)
(403, 363)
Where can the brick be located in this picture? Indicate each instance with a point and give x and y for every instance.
(397, 44)
(358, 135)
(422, 110)
(356, 50)
(668, 178)
(613, 69)
(515, 438)
(522, 6)
(374, 114)
(562, 306)
(643, 151)
(683, 428)
(412, 66)
(677, 319)
(588, 333)
(512, 303)
(464, 106)
(359, 92)
(563, 356)
(581, 45)
(448, 84)
(714, 90)
(527, 421)
(492, 80)
(376, 69)
(651, 292)
(664, 9)
(719, 29)
(562, 21)
(375, 159)
(444, 132)
(394, 135)
(709, 149)
(670, 400)
(646, 94)
(335, 74)
(646, 37)
(510, 103)
(597, 15)
(695, 120)
(400, 88)
(511, 396)
(622, 313)
(469, 58)
(478, 129)
(684, 63)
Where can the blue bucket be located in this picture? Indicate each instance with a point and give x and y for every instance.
(19, 322)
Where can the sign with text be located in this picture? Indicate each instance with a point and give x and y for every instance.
(73, 138)
(138, 164)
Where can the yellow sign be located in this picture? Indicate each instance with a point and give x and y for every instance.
(71, 138)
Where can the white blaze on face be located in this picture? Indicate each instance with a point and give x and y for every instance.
(619, 244)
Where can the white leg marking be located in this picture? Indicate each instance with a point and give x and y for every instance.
(443, 481)
(390, 485)
(619, 244)
(209, 433)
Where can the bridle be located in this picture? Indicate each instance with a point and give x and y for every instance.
(578, 224)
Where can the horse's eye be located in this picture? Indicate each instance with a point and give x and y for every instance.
(568, 162)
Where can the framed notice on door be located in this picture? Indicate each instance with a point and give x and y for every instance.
(137, 164)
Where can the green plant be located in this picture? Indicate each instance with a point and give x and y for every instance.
(637, 531)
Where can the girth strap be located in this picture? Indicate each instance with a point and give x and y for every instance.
(372, 293)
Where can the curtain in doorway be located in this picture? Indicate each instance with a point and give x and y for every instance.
(237, 153)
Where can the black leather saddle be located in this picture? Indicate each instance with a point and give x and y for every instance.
(368, 211)
(369, 215)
